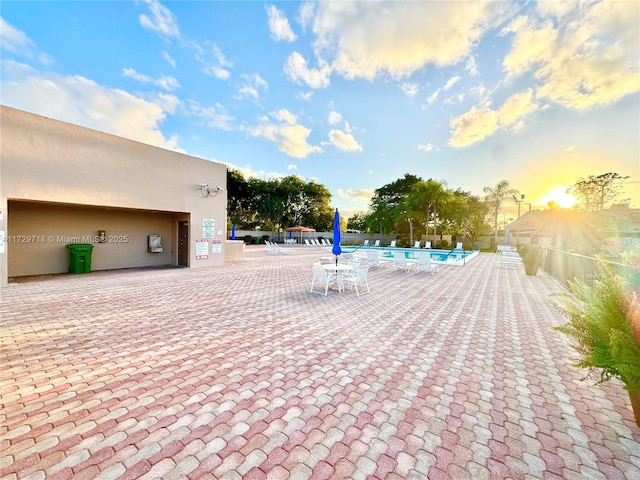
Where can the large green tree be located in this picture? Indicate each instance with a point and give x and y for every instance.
(388, 201)
(429, 197)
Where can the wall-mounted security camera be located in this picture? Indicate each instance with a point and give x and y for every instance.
(220, 189)
(203, 185)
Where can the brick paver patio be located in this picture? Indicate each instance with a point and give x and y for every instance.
(239, 372)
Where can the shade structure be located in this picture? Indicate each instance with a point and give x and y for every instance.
(336, 250)
(300, 229)
(233, 232)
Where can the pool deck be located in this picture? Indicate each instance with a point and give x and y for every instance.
(238, 372)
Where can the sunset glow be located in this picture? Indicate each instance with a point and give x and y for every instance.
(559, 195)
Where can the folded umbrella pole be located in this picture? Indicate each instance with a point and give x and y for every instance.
(336, 250)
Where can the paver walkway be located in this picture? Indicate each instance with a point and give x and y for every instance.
(239, 372)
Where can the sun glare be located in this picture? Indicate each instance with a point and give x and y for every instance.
(559, 195)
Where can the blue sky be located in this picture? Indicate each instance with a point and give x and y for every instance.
(350, 94)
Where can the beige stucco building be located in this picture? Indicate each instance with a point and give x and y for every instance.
(138, 205)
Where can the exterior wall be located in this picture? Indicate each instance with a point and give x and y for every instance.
(40, 233)
(56, 163)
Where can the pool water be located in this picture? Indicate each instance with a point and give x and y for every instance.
(439, 256)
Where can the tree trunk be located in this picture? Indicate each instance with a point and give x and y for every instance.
(635, 405)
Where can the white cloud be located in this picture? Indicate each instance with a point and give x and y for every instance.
(251, 86)
(214, 62)
(306, 96)
(451, 82)
(334, 118)
(289, 136)
(431, 99)
(166, 82)
(471, 67)
(344, 140)
(364, 194)
(370, 39)
(292, 166)
(14, 40)
(297, 70)
(170, 60)
(279, 25)
(581, 54)
(161, 21)
(131, 73)
(410, 89)
(81, 101)
(426, 147)
(213, 117)
(481, 121)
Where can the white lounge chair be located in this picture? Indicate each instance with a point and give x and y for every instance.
(427, 244)
(459, 246)
(306, 242)
(322, 277)
(274, 248)
(393, 244)
(357, 276)
(416, 244)
(377, 244)
(400, 261)
(375, 260)
(423, 263)
(365, 243)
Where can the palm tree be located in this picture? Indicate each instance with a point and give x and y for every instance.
(494, 197)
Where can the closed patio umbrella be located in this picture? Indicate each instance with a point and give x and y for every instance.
(336, 250)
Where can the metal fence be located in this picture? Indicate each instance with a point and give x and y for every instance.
(565, 266)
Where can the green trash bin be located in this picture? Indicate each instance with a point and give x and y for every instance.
(80, 257)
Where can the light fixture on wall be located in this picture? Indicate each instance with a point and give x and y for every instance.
(206, 191)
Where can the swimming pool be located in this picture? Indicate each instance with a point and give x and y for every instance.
(439, 256)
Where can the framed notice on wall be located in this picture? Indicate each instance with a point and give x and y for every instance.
(216, 246)
(208, 227)
(202, 249)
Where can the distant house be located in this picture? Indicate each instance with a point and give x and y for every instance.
(607, 232)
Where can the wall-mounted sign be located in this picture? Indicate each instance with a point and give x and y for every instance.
(216, 246)
(208, 228)
(202, 249)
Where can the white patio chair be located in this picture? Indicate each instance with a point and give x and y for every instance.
(459, 246)
(357, 276)
(424, 263)
(400, 261)
(393, 244)
(322, 277)
(365, 243)
(416, 244)
(427, 244)
(377, 243)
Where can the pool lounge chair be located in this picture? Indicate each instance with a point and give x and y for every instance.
(459, 246)
(400, 261)
(423, 263)
(416, 244)
(393, 244)
(377, 244)
(427, 244)
(365, 243)
(375, 260)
